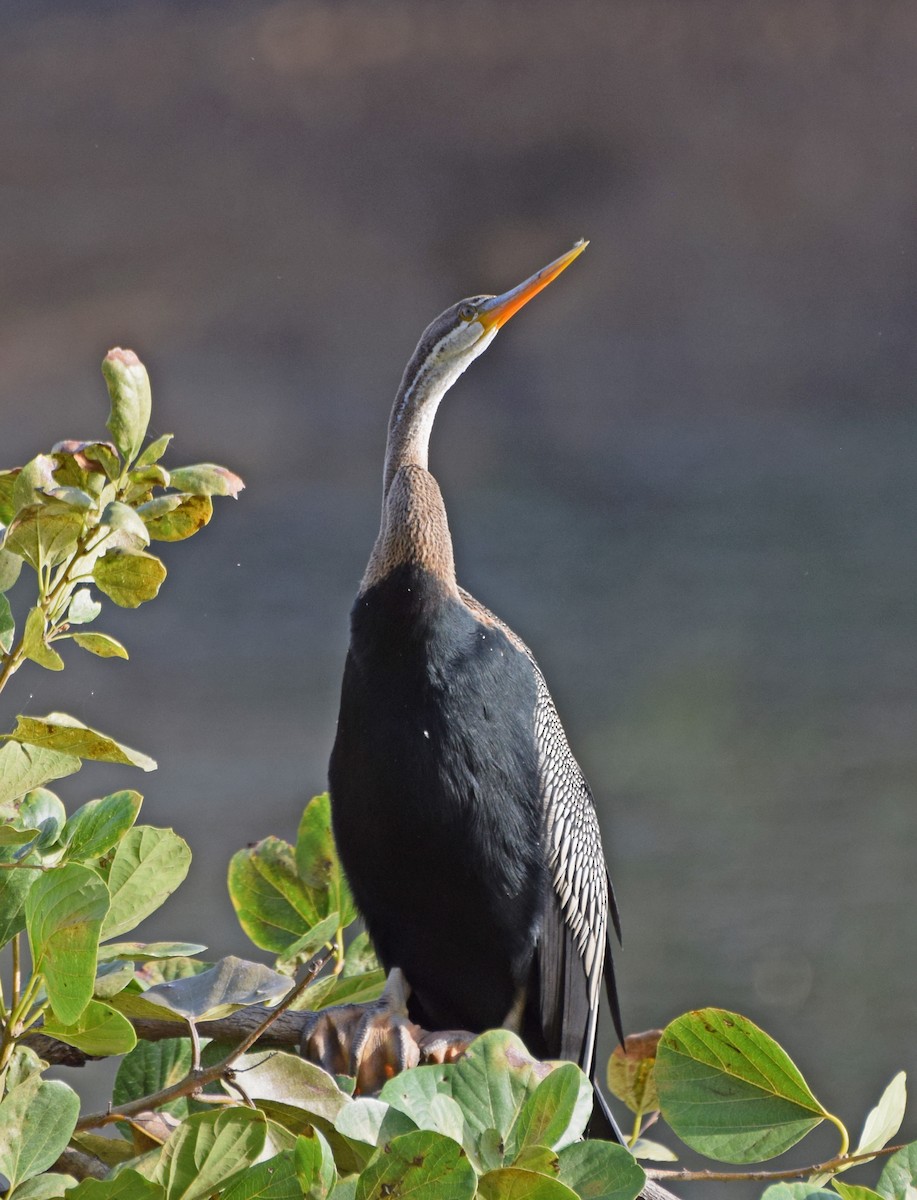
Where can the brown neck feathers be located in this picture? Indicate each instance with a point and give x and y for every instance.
(414, 529)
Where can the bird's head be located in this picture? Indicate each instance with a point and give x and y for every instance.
(455, 339)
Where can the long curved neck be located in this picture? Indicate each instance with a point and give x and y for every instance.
(414, 525)
(413, 413)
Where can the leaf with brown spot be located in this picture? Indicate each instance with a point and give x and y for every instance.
(174, 518)
(630, 1071)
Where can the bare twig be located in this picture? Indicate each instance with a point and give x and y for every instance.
(831, 1165)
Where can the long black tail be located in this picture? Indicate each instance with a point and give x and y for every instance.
(602, 1123)
(611, 990)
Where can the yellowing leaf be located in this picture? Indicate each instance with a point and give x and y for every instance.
(128, 578)
(35, 647)
(60, 731)
(100, 644)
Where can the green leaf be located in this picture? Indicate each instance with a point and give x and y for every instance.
(10, 836)
(35, 647)
(884, 1121)
(129, 389)
(556, 1114)
(131, 532)
(317, 859)
(174, 518)
(128, 1184)
(344, 989)
(274, 1179)
(514, 1183)
(207, 1149)
(142, 481)
(314, 1164)
(23, 768)
(74, 497)
(631, 1072)
(98, 1030)
(7, 625)
(315, 850)
(42, 810)
(150, 1067)
(64, 911)
(60, 731)
(373, 1121)
(112, 1151)
(24, 1064)
(100, 824)
(227, 986)
(424, 1095)
(7, 487)
(423, 1165)
(652, 1151)
(45, 534)
(796, 1191)
(31, 480)
(44, 1187)
(729, 1091)
(128, 578)
(86, 465)
(492, 1082)
(881, 1125)
(111, 978)
(100, 644)
(83, 608)
(898, 1180)
(10, 566)
(206, 479)
(852, 1191)
(288, 1079)
(148, 951)
(542, 1159)
(14, 888)
(601, 1171)
(36, 1120)
(345, 1189)
(275, 907)
(147, 867)
(154, 451)
(360, 956)
(310, 943)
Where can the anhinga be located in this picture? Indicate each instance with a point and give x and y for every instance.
(464, 823)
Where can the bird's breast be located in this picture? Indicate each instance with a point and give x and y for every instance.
(434, 780)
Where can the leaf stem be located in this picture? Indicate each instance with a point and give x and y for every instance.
(635, 1132)
(11, 663)
(17, 972)
(845, 1136)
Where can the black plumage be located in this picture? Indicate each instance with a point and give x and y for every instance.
(463, 820)
(435, 784)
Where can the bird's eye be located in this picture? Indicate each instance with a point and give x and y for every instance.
(467, 312)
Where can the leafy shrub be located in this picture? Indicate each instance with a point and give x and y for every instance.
(200, 1117)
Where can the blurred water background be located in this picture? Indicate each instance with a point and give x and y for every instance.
(686, 474)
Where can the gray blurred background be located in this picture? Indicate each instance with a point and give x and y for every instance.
(685, 474)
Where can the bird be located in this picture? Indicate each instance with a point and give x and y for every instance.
(464, 824)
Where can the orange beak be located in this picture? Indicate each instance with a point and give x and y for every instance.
(498, 309)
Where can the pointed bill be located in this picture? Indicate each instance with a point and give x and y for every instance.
(498, 309)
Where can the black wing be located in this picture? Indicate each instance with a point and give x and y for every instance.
(574, 954)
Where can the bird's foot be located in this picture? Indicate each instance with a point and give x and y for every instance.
(371, 1041)
(364, 1040)
(375, 1041)
(444, 1047)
